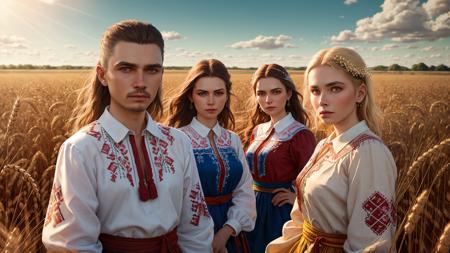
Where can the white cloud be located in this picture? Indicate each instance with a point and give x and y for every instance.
(297, 57)
(48, 1)
(402, 21)
(435, 56)
(350, 2)
(389, 47)
(435, 8)
(70, 46)
(265, 42)
(12, 41)
(172, 35)
(427, 49)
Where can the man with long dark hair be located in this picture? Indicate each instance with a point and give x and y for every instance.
(124, 183)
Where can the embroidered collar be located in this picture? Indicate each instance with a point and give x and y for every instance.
(203, 130)
(118, 131)
(339, 142)
(281, 125)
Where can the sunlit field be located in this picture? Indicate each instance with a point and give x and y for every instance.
(35, 105)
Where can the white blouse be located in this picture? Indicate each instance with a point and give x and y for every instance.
(348, 189)
(95, 189)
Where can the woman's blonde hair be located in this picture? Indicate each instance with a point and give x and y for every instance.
(353, 65)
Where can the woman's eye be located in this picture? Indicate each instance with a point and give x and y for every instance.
(314, 92)
(336, 89)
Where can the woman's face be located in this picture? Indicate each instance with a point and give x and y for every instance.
(209, 97)
(334, 97)
(272, 96)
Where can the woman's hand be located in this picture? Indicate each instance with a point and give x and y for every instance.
(283, 196)
(221, 238)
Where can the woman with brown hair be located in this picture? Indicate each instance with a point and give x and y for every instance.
(346, 191)
(202, 111)
(278, 146)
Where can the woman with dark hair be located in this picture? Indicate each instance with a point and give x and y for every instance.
(202, 111)
(278, 146)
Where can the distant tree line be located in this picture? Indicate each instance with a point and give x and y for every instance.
(394, 67)
(415, 67)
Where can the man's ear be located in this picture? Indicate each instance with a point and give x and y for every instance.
(101, 74)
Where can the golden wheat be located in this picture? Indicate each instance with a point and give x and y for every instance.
(415, 127)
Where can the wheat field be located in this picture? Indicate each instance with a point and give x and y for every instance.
(35, 105)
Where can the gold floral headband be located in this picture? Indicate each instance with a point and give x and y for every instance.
(358, 73)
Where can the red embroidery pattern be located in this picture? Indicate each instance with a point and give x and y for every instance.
(54, 211)
(92, 132)
(118, 155)
(198, 206)
(166, 131)
(115, 152)
(352, 145)
(314, 165)
(196, 140)
(355, 143)
(379, 212)
(290, 131)
(161, 158)
(224, 139)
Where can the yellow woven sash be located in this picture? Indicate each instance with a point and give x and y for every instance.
(315, 241)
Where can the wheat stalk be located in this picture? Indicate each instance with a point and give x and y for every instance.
(443, 245)
(13, 116)
(416, 211)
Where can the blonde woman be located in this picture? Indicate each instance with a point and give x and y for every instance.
(345, 193)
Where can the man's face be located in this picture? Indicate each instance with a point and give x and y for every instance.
(133, 76)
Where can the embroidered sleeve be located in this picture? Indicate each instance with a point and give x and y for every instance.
(71, 221)
(242, 214)
(195, 232)
(371, 214)
(292, 230)
(302, 147)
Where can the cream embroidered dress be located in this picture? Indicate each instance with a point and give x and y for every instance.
(346, 188)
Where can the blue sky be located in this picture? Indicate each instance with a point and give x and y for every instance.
(245, 33)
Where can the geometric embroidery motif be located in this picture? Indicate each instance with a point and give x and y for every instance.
(54, 210)
(161, 157)
(379, 212)
(198, 206)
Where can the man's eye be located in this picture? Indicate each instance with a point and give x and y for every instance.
(125, 69)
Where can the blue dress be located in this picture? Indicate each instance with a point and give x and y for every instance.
(275, 156)
(226, 180)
